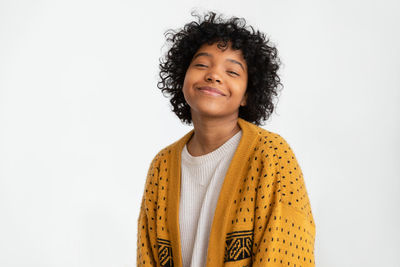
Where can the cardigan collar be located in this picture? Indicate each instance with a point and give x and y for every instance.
(236, 170)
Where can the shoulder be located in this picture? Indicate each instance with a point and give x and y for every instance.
(264, 137)
(274, 151)
(154, 174)
(270, 141)
(166, 157)
(161, 157)
(281, 163)
(171, 151)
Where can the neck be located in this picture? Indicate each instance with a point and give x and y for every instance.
(209, 134)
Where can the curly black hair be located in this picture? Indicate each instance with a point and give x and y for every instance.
(260, 55)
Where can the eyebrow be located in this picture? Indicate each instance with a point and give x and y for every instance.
(209, 55)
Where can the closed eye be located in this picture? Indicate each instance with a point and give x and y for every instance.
(202, 65)
(233, 73)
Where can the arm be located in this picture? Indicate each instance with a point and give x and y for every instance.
(144, 255)
(286, 236)
(287, 240)
(146, 241)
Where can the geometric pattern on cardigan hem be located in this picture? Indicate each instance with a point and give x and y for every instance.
(238, 245)
(165, 253)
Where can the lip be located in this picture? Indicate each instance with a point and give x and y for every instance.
(211, 90)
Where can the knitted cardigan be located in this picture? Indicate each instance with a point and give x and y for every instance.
(263, 215)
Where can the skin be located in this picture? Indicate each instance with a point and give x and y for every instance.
(214, 116)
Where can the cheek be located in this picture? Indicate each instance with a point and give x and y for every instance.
(240, 89)
(187, 84)
(187, 80)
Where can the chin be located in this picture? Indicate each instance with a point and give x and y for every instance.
(210, 113)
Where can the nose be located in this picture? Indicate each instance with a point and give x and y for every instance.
(213, 76)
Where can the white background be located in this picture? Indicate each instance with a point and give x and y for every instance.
(81, 118)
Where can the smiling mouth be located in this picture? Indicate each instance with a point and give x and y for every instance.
(210, 91)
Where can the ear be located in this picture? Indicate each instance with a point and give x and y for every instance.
(244, 100)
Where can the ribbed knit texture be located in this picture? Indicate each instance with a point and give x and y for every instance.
(201, 183)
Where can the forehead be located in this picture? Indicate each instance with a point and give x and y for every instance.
(225, 51)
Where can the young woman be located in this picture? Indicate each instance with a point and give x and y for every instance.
(228, 193)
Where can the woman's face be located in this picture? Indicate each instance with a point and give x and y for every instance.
(215, 82)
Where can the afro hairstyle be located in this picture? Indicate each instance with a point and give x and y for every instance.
(260, 55)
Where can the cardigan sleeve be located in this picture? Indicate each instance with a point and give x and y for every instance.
(286, 236)
(146, 244)
(145, 255)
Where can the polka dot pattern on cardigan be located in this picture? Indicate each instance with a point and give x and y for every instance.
(266, 220)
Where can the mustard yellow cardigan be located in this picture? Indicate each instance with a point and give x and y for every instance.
(263, 216)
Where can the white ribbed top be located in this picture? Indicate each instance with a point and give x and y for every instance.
(201, 181)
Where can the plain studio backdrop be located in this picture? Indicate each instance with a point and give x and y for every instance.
(81, 118)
